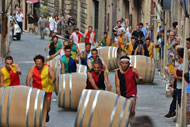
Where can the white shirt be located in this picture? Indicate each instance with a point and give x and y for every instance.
(51, 23)
(75, 37)
(19, 17)
(56, 23)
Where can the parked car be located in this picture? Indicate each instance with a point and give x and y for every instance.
(16, 31)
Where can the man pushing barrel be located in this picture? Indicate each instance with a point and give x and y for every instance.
(125, 80)
(97, 76)
(43, 78)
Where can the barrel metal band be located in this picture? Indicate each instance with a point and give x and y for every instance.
(146, 69)
(84, 108)
(79, 70)
(113, 53)
(151, 71)
(41, 107)
(36, 106)
(93, 107)
(8, 106)
(85, 70)
(128, 114)
(109, 53)
(28, 105)
(122, 112)
(64, 85)
(135, 62)
(2, 98)
(59, 95)
(113, 111)
(116, 60)
(70, 90)
(78, 110)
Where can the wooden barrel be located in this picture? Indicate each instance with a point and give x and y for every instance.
(22, 106)
(70, 89)
(145, 67)
(81, 68)
(54, 62)
(110, 55)
(57, 72)
(102, 109)
(81, 46)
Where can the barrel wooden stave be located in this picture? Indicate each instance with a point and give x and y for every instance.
(81, 68)
(81, 46)
(145, 67)
(15, 101)
(54, 62)
(102, 108)
(110, 55)
(70, 90)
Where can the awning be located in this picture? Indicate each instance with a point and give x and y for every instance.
(32, 1)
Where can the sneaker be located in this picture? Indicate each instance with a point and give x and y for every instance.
(170, 114)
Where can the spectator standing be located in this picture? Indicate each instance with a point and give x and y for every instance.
(42, 25)
(51, 25)
(19, 17)
(138, 34)
(142, 28)
(56, 24)
(129, 33)
(30, 22)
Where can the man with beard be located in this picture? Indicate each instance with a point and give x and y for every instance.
(43, 78)
(9, 74)
(90, 36)
(96, 78)
(125, 80)
(68, 65)
(76, 36)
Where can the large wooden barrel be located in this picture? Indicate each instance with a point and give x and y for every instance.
(81, 68)
(70, 89)
(102, 109)
(54, 62)
(22, 106)
(110, 55)
(145, 67)
(81, 46)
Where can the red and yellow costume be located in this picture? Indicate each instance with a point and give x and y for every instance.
(10, 78)
(43, 80)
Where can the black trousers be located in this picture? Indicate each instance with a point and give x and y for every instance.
(173, 103)
(20, 25)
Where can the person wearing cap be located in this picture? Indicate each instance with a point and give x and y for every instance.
(9, 74)
(76, 36)
(96, 78)
(125, 80)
